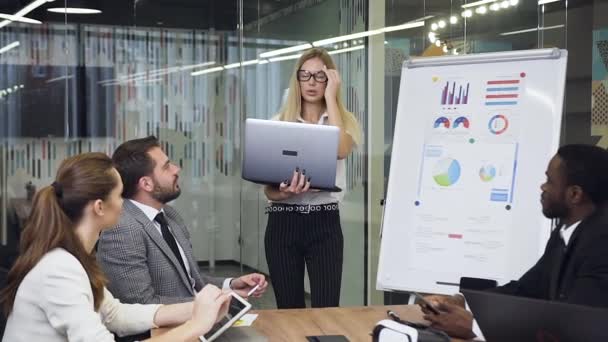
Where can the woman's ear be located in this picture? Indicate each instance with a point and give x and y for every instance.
(98, 207)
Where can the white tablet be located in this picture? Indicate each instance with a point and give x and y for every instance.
(238, 307)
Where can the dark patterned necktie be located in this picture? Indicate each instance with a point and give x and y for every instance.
(170, 239)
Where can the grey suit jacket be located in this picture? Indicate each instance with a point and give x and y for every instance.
(140, 266)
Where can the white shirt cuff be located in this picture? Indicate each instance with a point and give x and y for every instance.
(226, 285)
(476, 329)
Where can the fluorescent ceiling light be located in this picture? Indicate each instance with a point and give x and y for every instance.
(403, 26)
(64, 77)
(206, 71)
(9, 47)
(253, 61)
(354, 48)
(368, 33)
(542, 2)
(194, 66)
(328, 41)
(19, 19)
(284, 58)
(156, 72)
(286, 50)
(25, 10)
(477, 3)
(264, 61)
(236, 65)
(532, 30)
(73, 10)
(346, 37)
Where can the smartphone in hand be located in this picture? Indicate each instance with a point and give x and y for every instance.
(426, 304)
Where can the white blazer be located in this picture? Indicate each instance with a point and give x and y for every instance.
(54, 303)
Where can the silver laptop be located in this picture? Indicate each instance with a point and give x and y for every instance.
(274, 149)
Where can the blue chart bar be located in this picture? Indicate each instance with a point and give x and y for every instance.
(499, 195)
(504, 103)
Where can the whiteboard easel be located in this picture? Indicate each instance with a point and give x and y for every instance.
(473, 137)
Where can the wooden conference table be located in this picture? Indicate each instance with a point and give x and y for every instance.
(356, 323)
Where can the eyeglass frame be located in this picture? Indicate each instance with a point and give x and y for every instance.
(312, 75)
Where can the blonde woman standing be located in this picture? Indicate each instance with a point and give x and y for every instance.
(309, 234)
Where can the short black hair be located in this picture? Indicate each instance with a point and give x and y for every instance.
(132, 161)
(587, 167)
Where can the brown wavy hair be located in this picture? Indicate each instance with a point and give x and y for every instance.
(55, 212)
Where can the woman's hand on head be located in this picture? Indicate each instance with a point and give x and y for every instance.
(333, 83)
(210, 305)
(298, 184)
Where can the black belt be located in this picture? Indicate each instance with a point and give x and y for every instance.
(301, 208)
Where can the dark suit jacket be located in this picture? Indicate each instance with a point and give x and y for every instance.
(579, 275)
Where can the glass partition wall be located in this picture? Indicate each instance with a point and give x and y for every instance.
(190, 72)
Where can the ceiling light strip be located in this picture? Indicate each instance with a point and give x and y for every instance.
(19, 19)
(531, 30)
(544, 2)
(286, 50)
(9, 47)
(206, 71)
(478, 3)
(354, 48)
(25, 10)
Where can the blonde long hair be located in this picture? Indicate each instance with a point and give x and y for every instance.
(292, 109)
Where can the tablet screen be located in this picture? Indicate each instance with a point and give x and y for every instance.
(238, 307)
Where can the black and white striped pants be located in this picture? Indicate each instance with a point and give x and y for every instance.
(296, 239)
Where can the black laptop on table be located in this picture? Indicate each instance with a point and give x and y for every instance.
(504, 318)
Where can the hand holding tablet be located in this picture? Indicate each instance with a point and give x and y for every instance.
(238, 308)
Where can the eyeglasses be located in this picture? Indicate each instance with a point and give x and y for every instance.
(305, 75)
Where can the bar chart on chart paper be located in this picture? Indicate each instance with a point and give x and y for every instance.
(503, 92)
(455, 94)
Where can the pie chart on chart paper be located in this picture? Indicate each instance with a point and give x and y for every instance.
(446, 172)
(487, 173)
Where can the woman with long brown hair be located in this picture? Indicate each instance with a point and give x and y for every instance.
(304, 226)
(56, 291)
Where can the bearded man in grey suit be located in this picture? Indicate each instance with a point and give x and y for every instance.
(148, 258)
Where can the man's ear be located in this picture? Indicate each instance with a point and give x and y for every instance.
(146, 183)
(575, 194)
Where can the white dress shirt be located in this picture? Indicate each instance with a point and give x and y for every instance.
(566, 232)
(151, 213)
(54, 303)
